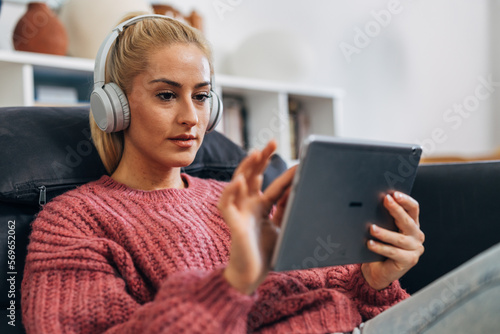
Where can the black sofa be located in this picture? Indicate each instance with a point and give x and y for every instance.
(47, 151)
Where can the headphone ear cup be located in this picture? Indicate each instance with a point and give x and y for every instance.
(110, 108)
(121, 109)
(215, 111)
(102, 109)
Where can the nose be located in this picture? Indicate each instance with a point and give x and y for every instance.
(188, 114)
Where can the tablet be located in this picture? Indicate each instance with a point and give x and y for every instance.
(337, 192)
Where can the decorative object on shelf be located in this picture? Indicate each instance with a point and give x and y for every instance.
(39, 30)
(274, 55)
(194, 19)
(88, 22)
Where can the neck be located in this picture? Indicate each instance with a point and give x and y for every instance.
(146, 178)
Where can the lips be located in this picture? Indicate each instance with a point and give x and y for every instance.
(184, 140)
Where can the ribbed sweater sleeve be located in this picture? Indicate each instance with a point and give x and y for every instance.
(193, 302)
(369, 301)
(321, 300)
(79, 280)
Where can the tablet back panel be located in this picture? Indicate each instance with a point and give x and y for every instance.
(338, 191)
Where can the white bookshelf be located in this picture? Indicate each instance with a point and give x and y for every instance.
(266, 102)
(21, 72)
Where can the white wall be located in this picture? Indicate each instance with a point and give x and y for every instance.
(426, 59)
(399, 87)
(9, 15)
(495, 57)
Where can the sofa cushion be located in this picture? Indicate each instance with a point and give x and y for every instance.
(459, 214)
(45, 147)
(51, 148)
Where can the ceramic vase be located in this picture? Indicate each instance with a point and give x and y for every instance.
(194, 19)
(88, 22)
(39, 30)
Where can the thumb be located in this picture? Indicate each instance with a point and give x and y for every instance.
(278, 187)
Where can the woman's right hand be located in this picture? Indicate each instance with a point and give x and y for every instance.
(246, 210)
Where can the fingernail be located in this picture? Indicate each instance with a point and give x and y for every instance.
(374, 228)
(389, 198)
(399, 195)
(371, 243)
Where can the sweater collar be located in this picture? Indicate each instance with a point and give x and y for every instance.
(198, 189)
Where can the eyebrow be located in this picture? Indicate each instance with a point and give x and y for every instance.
(177, 84)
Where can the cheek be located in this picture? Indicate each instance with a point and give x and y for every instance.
(155, 124)
(146, 123)
(205, 115)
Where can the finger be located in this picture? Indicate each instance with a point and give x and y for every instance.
(278, 187)
(227, 205)
(242, 192)
(246, 164)
(280, 207)
(268, 151)
(284, 199)
(402, 258)
(264, 158)
(395, 238)
(409, 204)
(255, 184)
(254, 165)
(255, 175)
(230, 193)
(403, 220)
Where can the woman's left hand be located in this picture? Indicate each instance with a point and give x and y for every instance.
(402, 249)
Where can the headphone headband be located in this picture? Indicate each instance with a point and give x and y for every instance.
(102, 54)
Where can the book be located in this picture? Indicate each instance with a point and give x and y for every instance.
(299, 126)
(234, 120)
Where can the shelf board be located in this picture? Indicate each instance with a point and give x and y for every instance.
(241, 83)
(46, 60)
(225, 81)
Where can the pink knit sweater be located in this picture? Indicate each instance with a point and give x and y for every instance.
(108, 258)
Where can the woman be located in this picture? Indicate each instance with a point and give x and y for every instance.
(150, 250)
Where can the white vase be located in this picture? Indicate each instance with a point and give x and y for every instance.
(88, 22)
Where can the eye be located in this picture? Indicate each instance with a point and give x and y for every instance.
(201, 97)
(166, 96)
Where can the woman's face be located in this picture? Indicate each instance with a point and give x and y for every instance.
(169, 108)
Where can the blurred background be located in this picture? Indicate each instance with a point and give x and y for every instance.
(416, 71)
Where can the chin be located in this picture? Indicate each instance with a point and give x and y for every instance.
(182, 162)
(180, 158)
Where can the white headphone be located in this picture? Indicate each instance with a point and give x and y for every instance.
(108, 102)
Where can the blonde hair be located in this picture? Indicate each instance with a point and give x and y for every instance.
(128, 58)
